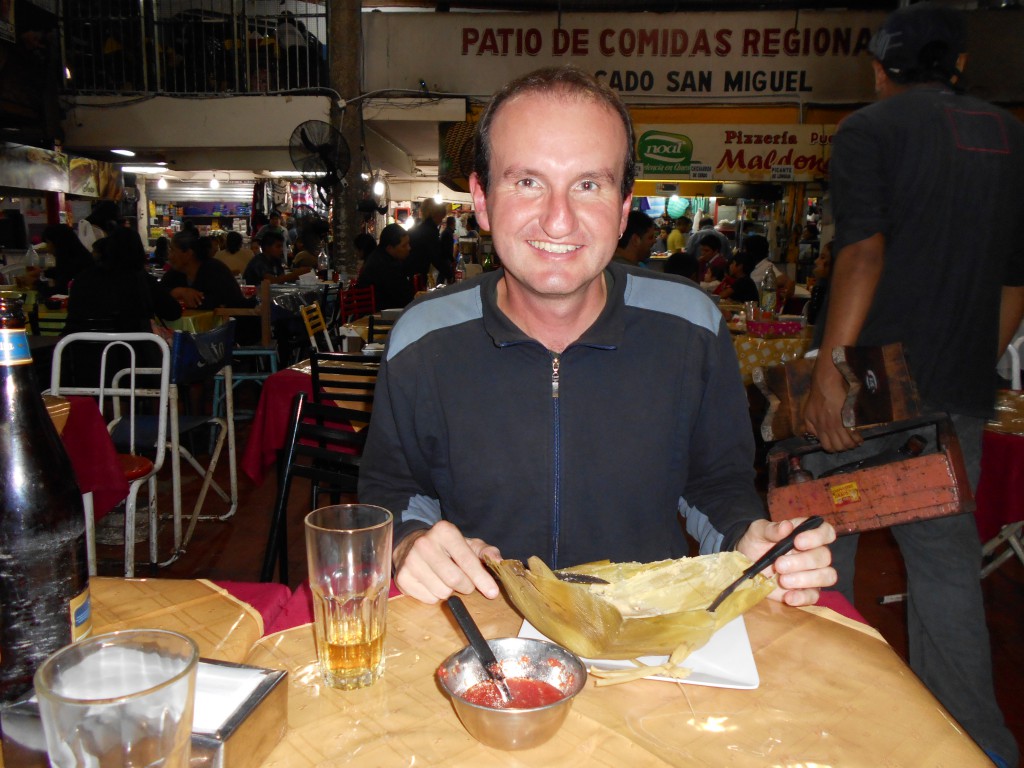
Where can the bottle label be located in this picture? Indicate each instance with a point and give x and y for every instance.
(80, 608)
(14, 347)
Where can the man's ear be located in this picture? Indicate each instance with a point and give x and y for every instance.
(479, 201)
(881, 78)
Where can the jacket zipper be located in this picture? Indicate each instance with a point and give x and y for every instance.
(556, 448)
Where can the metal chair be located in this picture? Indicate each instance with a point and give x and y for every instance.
(127, 388)
(1014, 350)
(355, 303)
(196, 358)
(324, 447)
(340, 378)
(263, 356)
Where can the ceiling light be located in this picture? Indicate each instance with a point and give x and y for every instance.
(142, 169)
(161, 183)
(214, 183)
(125, 152)
(378, 187)
(438, 197)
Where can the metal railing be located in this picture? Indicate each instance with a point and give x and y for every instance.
(192, 46)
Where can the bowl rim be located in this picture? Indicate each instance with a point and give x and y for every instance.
(567, 696)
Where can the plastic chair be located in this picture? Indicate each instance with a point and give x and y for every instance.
(313, 318)
(340, 378)
(123, 387)
(322, 446)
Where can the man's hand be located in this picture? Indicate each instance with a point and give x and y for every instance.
(823, 409)
(431, 565)
(804, 570)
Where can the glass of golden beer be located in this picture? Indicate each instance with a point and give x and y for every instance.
(349, 552)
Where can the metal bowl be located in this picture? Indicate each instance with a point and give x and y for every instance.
(519, 658)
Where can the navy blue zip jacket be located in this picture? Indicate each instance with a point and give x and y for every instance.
(604, 451)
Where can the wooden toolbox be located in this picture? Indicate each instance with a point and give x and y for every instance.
(933, 484)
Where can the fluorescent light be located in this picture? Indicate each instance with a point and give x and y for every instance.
(161, 183)
(125, 152)
(142, 169)
(297, 174)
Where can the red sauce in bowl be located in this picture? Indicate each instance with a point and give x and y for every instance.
(526, 694)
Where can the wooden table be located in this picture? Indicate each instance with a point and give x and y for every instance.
(830, 694)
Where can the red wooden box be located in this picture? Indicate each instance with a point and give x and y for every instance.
(930, 485)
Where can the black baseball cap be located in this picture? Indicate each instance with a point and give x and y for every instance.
(921, 43)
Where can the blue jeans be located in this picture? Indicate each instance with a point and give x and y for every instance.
(949, 641)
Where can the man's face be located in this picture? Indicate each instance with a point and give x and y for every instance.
(707, 253)
(274, 251)
(177, 258)
(400, 251)
(555, 206)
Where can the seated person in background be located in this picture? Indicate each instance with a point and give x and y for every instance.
(116, 293)
(385, 272)
(306, 246)
(742, 287)
(269, 263)
(661, 241)
(559, 297)
(198, 280)
(707, 227)
(69, 255)
(709, 251)
(233, 255)
(365, 245)
(161, 251)
(683, 264)
(716, 279)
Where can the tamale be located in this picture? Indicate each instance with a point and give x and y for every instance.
(646, 609)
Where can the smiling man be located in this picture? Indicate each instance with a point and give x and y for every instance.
(503, 422)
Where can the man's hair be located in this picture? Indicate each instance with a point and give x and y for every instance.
(637, 223)
(756, 246)
(683, 264)
(564, 82)
(684, 223)
(921, 44)
(270, 237)
(706, 222)
(712, 242)
(392, 235)
(233, 242)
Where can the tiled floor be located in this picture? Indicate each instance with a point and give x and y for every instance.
(233, 550)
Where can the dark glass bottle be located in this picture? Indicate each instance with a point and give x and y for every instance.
(44, 577)
(797, 473)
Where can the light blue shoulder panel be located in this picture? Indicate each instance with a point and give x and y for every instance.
(684, 301)
(442, 312)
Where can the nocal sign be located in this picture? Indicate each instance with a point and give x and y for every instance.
(703, 81)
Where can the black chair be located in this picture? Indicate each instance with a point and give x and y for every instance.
(377, 329)
(343, 378)
(325, 446)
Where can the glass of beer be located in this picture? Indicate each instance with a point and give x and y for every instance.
(124, 698)
(349, 551)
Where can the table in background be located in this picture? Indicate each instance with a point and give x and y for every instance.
(830, 693)
(270, 423)
(1000, 493)
(191, 320)
(753, 352)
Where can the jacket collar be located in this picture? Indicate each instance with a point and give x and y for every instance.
(606, 332)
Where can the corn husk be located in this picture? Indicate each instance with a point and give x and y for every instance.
(647, 609)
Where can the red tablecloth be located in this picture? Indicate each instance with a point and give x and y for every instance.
(1000, 495)
(270, 424)
(93, 456)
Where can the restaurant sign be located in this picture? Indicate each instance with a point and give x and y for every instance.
(787, 57)
(734, 153)
(46, 170)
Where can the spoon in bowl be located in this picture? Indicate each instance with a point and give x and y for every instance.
(479, 644)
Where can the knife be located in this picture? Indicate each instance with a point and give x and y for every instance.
(768, 558)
